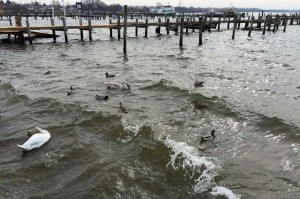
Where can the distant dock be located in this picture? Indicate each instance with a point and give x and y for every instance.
(183, 24)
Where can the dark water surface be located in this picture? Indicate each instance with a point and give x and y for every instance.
(250, 98)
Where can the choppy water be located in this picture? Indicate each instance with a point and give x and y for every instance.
(250, 97)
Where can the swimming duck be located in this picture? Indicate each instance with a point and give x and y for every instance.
(198, 83)
(117, 85)
(37, 139)
(123, 109)
(101, 97)
(47, 73)
(70, 91)
(109, 75)
(208, 137)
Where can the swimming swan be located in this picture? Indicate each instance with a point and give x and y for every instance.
(37, 139)
(208, 137)
(117, 85)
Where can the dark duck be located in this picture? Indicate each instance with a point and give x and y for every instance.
(198, 83)
(102, 97)
(122, 108)
(109, 75)
(70, 92)
(208, 137)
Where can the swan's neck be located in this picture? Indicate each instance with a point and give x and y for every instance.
(39, 129)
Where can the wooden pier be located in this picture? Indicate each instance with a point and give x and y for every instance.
(182, 22)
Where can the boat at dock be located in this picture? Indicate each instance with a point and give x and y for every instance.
(163, 9)
(222, 12)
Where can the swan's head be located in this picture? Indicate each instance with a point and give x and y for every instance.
(126, 86)
(34, 131)
(106, 97)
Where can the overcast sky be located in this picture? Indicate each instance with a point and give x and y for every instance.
(264, 4)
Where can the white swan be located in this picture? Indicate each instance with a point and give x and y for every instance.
(37, 139)
(117, 85)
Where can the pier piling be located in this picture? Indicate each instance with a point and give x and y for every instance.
(181, 32)
(28, 31)
(125, 31)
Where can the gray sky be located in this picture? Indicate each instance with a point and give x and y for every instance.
(264, 4)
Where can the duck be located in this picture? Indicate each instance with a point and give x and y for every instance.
(122, 108)
(117, 85)
(109, 75)
(101, 97)
(47, 73)
(70, 92)
(208, 137)
(198, 83)
(38, 137)
(200, 106)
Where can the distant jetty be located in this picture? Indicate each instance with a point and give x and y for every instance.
(201, 22)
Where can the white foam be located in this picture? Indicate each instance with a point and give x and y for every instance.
(131, 129)
(219, 190)
(190, 158)
(208, 167)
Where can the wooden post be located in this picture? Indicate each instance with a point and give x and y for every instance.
(167, 26)
(292, 20)
(90, 28)
(234, 27)
(269, 22)
(251, 27)
(28, 31)
(228, 25)
(187, 26)
(204, 24)
(181, 31)
(200, 30)
(10, 22)
(65, 30)
(53, 31)
(286, 21)
(259, 22)
(277, 21)
(274, 27)
(125, 31)
(146, 28)
(219, 23)
(80, 23)
(283, 20)
(110, 29)
(193, 24)
(158, 28)
(119, 30)
(265, 25)
(239, 20)
(136, 27)
(18, 20)
(247, 23)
